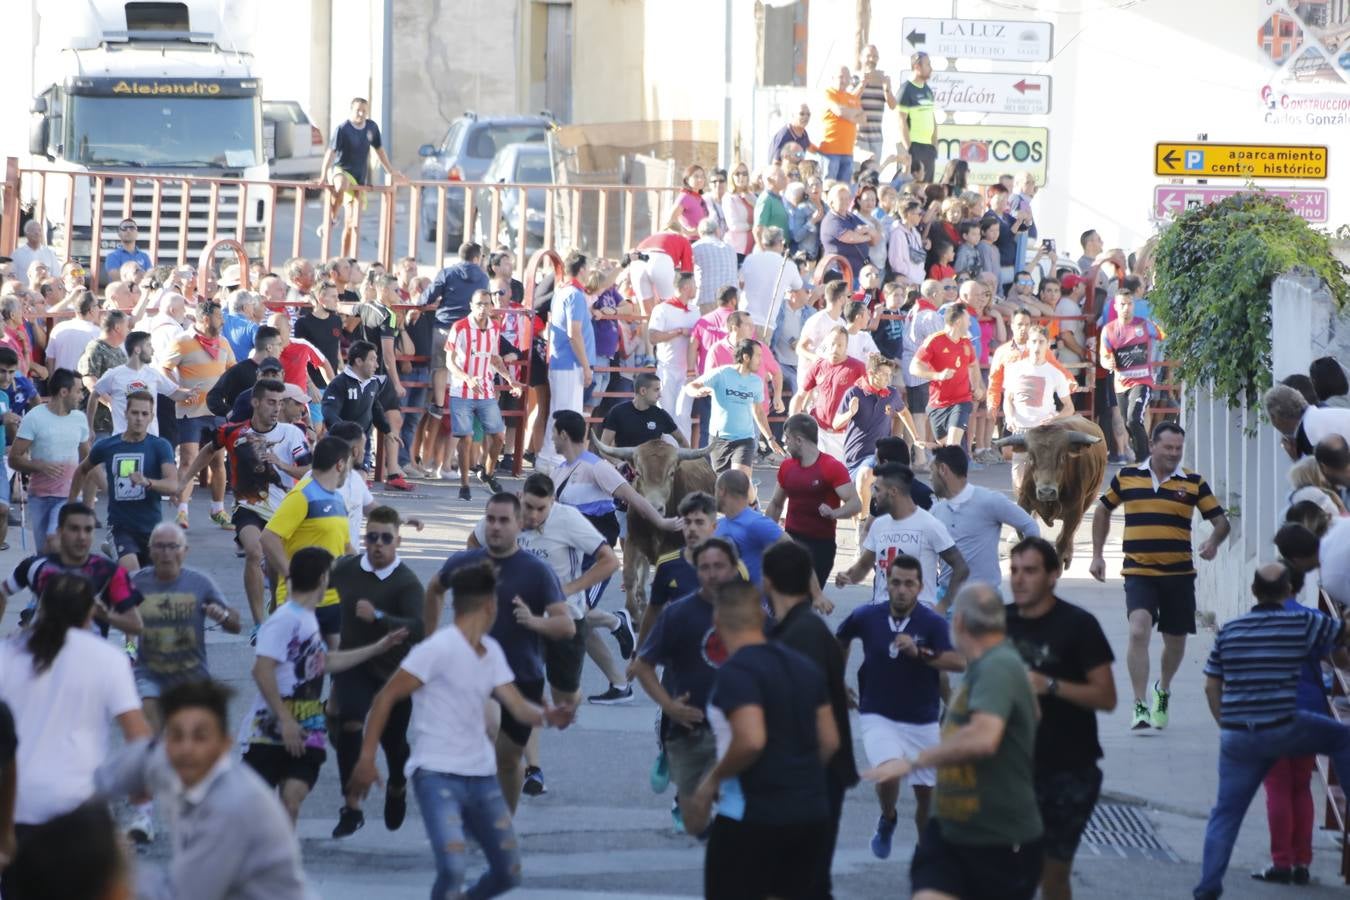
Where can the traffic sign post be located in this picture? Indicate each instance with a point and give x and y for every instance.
(1172, 199)
(980, 38)
(991, 92)
(1201, 160)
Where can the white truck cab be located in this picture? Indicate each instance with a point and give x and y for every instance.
(145, 88)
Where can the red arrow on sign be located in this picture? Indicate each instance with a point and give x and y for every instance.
(1022, 86)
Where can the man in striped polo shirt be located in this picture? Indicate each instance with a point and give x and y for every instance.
(1251, 683)
(1159, 497)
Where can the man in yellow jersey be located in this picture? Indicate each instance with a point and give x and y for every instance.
(313, 515)
(918, 119)
(1159, 497)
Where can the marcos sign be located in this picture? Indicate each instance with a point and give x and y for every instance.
(994, 150)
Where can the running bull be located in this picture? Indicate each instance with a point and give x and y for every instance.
(1066, 460)
(665, 475)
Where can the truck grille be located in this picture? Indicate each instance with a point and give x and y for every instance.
(171, 211)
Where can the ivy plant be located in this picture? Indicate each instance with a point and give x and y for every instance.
(1214, 267)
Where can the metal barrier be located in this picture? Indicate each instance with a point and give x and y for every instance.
(183, 214)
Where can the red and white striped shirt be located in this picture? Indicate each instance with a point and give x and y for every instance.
(472, 349)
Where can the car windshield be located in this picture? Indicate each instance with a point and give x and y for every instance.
(487, 140)
(216, 132)
(533, 169)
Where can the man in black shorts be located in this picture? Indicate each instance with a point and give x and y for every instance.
(1070, 662)
(983, 841)
(286, 729)
(737, 393)
(530, 608)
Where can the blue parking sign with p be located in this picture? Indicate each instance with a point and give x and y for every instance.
(1195, 159)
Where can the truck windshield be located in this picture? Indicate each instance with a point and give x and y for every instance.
(217, 132)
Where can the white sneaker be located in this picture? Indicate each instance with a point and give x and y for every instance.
(141, 828)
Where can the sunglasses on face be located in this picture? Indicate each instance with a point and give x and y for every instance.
(379, 537)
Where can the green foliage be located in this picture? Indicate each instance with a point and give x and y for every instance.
(1211, 295)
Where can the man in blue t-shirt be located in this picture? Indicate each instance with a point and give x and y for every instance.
(348, 154)
(141, 471)
(530, 607)
(684, 641)
(772, 812)
(125, 252)
(9, 423)
(906, 647)
(571, 339)
(737, 393)
(749, 529)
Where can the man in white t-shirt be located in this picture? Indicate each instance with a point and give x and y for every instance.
(668, 330)
(135, 375)
(905, 529)
(811, 343)
(68, 340)
(1073, 346)
(1030, 387)
(761, 272)
(453, 766)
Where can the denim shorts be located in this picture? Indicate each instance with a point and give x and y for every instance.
(190, 429)
(867, 462)
(4, 481)
(464, 412)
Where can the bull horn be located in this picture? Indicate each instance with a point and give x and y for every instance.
(1078, 438)
(624, 453)
(684, 453)
(1015, 441)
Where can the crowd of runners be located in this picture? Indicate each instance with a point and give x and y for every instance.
(984, 704)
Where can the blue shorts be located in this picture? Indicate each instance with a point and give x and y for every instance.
(945, 418)
(190, 429)
(867, 462)
(463, 414)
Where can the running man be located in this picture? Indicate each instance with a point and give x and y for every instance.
(906, 647)
(737, 393)
(266, 458)
(1160, 498)
(579, 555)
(140, 470)
(531, 608)
(286, 730)
(378, 594)
(450, 678)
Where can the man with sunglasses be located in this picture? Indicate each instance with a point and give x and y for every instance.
(126, 251)
(377, 593)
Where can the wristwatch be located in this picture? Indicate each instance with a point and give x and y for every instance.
(1052, 687)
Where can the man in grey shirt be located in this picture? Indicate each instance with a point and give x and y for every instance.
(232, 840)
(974, 516)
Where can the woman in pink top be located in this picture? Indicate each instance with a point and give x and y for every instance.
(689, 209)
(738, 206)
(741, 326)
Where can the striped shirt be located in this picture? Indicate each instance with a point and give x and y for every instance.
(1259, 657)
(197, 369)
(472, 349)
(1158, 518)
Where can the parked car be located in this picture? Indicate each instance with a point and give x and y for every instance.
(464, 154)
(294, 146)
(514, 164)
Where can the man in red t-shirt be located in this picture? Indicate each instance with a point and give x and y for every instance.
(297, 355)
(1127, 351)
(947, 359)
(817, 491)
(674, 245)
(830, 377)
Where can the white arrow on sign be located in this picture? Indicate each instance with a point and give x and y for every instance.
(991, 92)
(980, 38)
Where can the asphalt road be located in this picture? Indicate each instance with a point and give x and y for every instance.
(600, 831)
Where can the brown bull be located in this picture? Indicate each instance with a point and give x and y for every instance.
(665, 475)
(1065, 463)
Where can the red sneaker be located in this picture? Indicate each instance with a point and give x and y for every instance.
(397, 483)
